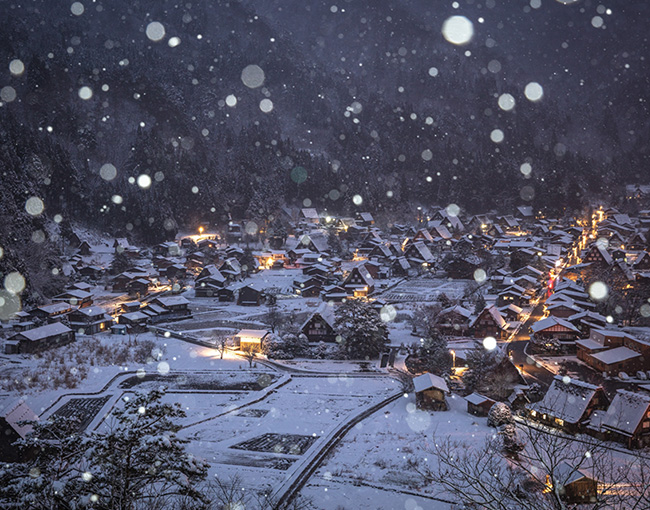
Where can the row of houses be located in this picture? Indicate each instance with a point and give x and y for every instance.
(58, 324)
(575, 406)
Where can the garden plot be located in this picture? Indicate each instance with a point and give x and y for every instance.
(376, 452)
(243, 443)
(425, 290)
(205, 381)
(82, 409)
(292, 444)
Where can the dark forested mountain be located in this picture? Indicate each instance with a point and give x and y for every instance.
(358, 97)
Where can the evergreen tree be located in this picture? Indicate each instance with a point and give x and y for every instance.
(120, 262)
(138, 461)
(364, 334)
(431, 356)
(140, 458)
(248, 262)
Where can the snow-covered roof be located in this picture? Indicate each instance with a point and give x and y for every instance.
(16, 413)
(135, 316)
(427, 381)
(477, 399)
(456, 309)
(626, 412)
(91, 311)
(53, 329)
(566, 399)
(551, 321)
(616, 355)
(172, 301)
(252, 334)
(54, 308)
(525, 210)
(589, 344)
(326, 311)
(310, 212)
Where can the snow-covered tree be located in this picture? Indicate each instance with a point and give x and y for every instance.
(140, 459)
(499, 414)
(511, 441)
(120, 263)
(138, 462)
(363, 332)
(51, 475)
(481, 363)
(432, 355)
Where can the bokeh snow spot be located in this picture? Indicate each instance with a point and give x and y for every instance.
(496, 136)
(453, 210)
(34, 206)
(266, 105)
(108, 172)
(598, 291)
(163, 368)
(85, 93)
(252, 76)
(7, 94)
(155, 31)
(77, 8)
(458, 30)
(534, 91)
(490, 343)
(16, 67)
(506, 102)
(144, 181)
(14, 282)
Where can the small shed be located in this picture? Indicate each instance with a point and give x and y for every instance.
(478, 404)
(250, 338)
(118, 329)
(430, 392)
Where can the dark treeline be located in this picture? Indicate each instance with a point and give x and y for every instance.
(358, 109)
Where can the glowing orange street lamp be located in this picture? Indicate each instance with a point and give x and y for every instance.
(201, 230)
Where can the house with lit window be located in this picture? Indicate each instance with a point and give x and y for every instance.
(454, 320)
(568, 404)
(90, 320)
(575, 485)
(252, 339)
(359, 282)
(627, 420)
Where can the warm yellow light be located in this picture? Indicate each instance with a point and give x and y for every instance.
(201, 230)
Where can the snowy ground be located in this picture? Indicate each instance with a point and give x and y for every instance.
(369, 467)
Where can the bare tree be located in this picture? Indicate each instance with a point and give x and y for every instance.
(221, 343)
(249, 354)
(273, 317)
(493, 477)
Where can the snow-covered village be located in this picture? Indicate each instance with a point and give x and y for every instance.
(294, 255)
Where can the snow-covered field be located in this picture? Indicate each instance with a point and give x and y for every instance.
(369, 467)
